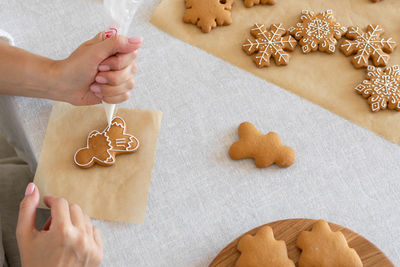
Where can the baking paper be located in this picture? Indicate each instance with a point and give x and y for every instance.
(326, 80)
(116, 193)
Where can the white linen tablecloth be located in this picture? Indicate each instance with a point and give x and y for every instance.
(200, 199)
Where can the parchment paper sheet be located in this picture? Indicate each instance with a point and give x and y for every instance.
(116, 193)
(327, 80)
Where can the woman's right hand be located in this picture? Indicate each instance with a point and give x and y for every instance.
(67, 239)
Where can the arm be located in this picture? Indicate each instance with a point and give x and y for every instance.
(25, 74)
(97, 70)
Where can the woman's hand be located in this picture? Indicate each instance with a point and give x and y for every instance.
(98, 70)
(67, 239)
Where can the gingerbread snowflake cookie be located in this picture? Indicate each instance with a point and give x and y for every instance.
(263, 250)
(366, 45)
(103, 147)
(207, 14)
(251, 3)
(323, 247)
(317, 32)
(382, 88)
(269, 44)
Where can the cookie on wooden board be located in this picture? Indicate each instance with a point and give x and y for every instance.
(323, 247)
(263, 250)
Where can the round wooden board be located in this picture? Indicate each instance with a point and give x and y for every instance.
(289, 230)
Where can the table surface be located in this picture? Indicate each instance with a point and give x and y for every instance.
(200, 200)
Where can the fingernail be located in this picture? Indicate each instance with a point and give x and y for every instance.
(135, 40)
(99, 95)
(95, 88)
(104, 68)
(101, 79)
(29, 189)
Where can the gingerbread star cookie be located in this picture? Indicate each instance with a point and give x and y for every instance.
(366, 45)
(264, 149)
(103, 147)
(207, 14)
(318, 31)
(382, 88)
(251, 3)
(323, 247)
(263, 250)
(269, 44)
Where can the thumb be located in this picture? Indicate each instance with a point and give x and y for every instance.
(116, 44)
(27, 211)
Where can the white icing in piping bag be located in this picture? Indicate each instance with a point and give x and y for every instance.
(109, 108)
(122, 12)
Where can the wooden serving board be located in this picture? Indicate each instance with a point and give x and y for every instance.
(289, 230)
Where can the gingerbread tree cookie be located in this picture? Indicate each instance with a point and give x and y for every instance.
(207, 14)
(382, 88)
(264, 149)
(250, 3)
(367, 45)
(263, 250)
(103, 147)
(323, 247)
(319, 31)
(269, 44)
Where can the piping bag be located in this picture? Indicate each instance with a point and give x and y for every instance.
(122, 12)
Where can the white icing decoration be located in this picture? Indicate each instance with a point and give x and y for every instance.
(367, 44)
(381, 87)
(120, 142)
(314, 30)
(271, 43)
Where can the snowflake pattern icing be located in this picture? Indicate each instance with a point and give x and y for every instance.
(319, 31)
(269, 44)
(368, 45)
(382, 88)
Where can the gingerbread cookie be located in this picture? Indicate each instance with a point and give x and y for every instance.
(317, 32)
(367, 45)
(269, 44)
(382, 88)
(207, 14)
(263, 250)
(323, 247)
(102, 147)
(250, 3)
(264, 149)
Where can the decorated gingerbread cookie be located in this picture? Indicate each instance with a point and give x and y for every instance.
(264, 149)
(263, 250)
(366, 45)
(318, 31)
(382, 88)
(103, 147)
(207, 14)
(250, 3)
(269, 44)
(323, 247)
